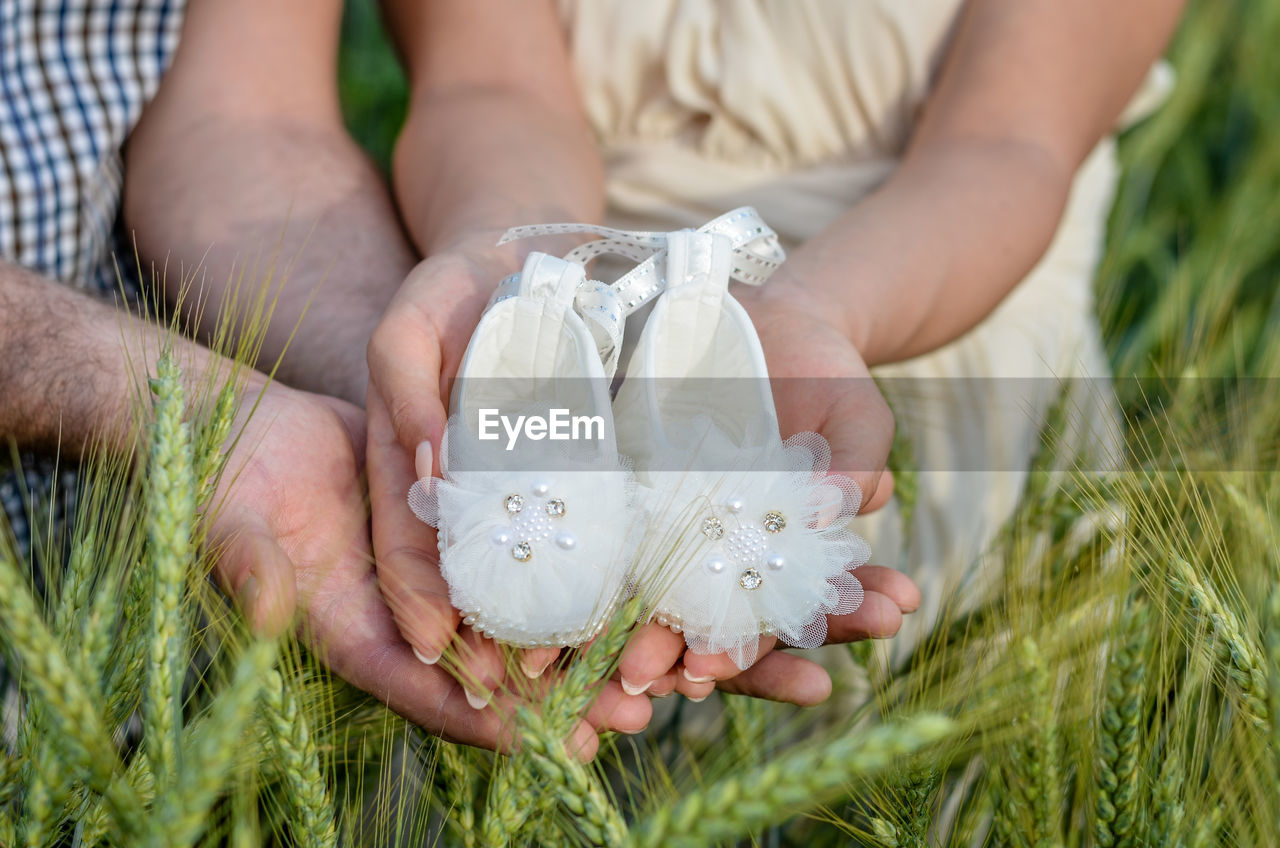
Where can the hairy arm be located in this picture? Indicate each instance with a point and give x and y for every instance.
(71, 366)
(242, 158)
(1027, 89)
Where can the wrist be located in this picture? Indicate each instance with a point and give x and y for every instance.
(790, 290)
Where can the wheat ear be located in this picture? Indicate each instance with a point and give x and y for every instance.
(213, 747)
(1235, 651)
(1118, 783)
(802, 779)
(77, 729)
(458, 778)
(300, 765)
(594, 814)
(171, 516)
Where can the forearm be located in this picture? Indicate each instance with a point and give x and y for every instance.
(242, 166)
(72, 368)
(932, 252)
(269, 201)
(473, 161)
(1027, 89)
(496, 136)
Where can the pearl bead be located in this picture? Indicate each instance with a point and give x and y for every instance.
(566, 541)
(540, 488)
(775, 561)
(735, 505)
(500, 536)
(716, 564)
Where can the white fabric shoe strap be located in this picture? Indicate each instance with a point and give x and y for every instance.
(756, 254)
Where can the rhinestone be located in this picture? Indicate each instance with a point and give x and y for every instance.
(514, 503)
(775, 561)
(556, 508)
(522, 552)
(712, 528)
(750, 580)
(774, 522)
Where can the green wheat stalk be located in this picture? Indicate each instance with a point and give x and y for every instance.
(171, 515)
(207, 759)
(76, 727)
(1118, 781)
(457, 774)
(594, 814)
(299, 763)
(1273, 672)
(801, 778)
(1235, 650)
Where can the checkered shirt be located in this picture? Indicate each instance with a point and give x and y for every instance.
(74, 78)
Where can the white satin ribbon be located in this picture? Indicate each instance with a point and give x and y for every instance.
(755, 250)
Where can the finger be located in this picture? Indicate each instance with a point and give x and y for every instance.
(407, 561)
(858, 425)
(352, 631)
(479, 666)
(783, 677)
(255, 571)
(616, 710)
(534, 661)
(652, 652)
(404, 371)
(891, 583)
(694, 691)
(708, 668)
(583, 743)
(664, 685)
(877, 618)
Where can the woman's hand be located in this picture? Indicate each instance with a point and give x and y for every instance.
(820, 384)
(413, 357)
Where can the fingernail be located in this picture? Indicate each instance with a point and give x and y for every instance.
(697, 700)
(249, 591)
(636, 732)
(426, 659)
(422, 459)
(533, 672)
(689, 677)
(477, 702)
(633, 689)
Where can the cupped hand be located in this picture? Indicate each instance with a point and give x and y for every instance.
(413, 356)
(820, 384)
(292, 524)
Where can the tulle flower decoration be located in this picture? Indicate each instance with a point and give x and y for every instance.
(535, 553)
(762, 548)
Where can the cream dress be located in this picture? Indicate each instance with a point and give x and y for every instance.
(800, 108)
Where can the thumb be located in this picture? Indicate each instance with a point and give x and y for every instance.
(257, 574)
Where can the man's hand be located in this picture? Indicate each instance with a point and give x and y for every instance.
(293, 525)
(820, 384)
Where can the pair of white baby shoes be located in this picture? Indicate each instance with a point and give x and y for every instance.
(557, 502)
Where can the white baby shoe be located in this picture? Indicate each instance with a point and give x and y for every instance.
(747, 533)
(535, 511)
